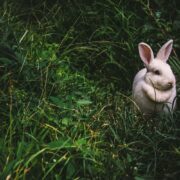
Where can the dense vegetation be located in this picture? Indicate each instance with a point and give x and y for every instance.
(66, 72)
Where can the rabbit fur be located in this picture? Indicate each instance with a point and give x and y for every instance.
(154, 87)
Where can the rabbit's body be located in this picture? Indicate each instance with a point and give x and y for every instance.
(154, 87)
(147, 103)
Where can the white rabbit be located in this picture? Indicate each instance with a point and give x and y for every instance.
(154, 87)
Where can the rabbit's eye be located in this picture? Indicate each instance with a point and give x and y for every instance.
(157, 72)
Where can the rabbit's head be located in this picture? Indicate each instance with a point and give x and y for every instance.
(159, 74)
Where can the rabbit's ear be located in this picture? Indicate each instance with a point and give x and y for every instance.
(165, 51)
(145, 53)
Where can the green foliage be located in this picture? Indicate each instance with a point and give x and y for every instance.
(66, 71)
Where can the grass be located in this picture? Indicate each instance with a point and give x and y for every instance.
(66, 76)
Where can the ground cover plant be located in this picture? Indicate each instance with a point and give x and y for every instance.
(66, 72)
